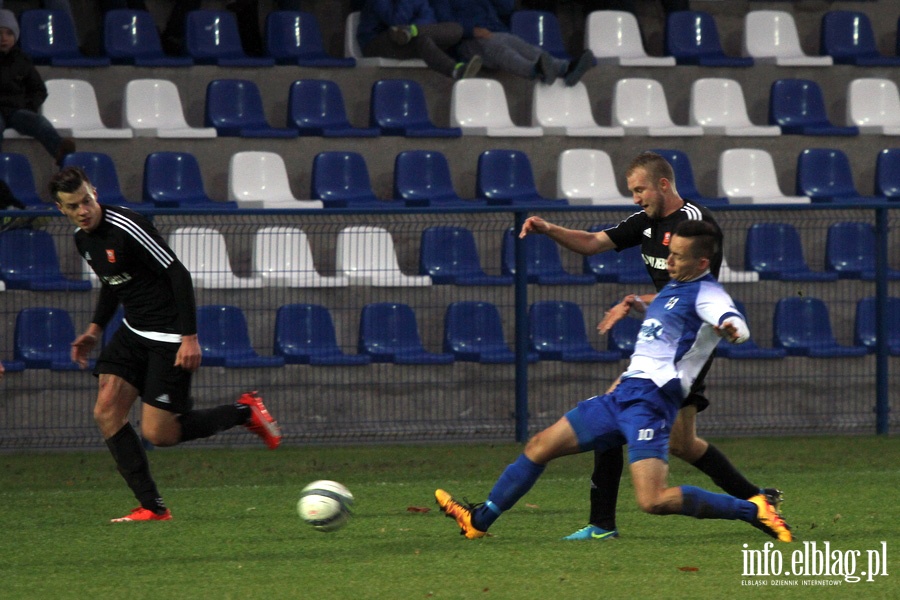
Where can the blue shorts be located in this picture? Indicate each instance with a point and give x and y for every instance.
(637, 413)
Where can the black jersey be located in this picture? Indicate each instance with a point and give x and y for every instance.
(139, 270)
(653, 236)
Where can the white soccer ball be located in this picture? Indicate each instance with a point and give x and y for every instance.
(325, 505)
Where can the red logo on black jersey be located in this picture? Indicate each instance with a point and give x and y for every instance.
(111, 255)
(665, 242)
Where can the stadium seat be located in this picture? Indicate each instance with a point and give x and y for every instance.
(847, 37)
(342, 179)
(873, 106)
(398, 107)
(225, 341)
(130, 37)
(152, 108)
(771, 38)
(316, 107)
(586, 176)
(640, 107)
(563, 110)
(16, 171)
(543, 264)
(558, 333)
(71, 106)
(693, 39)
(294, 38)
(423, 177)
(887, 173)
(352, 49)
(479, 107)
(28, 261)
(388, 332)
(539, 28)
(43, 339)
(797, 106)
(49, 38)
(850, 251)
(802, 327)
(173, 180)
(729, 275)
(825, 175)
(774, 251)
(305, 335)
(234, 107)
(865, 330)
(506, 177)
(626, 266)
(283, 258)
(13, 366)
(259, 179)
(448, 254)
(211, 38)
(473, 332)
(615, 38)
(717, 105)
(748, 349)
(203, 252)
(623, 335)
(747, 176)
(684, 177)
(101, 170)
(366, 256)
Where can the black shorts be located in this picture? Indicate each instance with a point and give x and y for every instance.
(149, 366)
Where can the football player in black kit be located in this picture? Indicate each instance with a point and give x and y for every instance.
(651, 181)
(155, 351)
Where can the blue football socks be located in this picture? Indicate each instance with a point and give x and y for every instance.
(700, 504)
(513, 483)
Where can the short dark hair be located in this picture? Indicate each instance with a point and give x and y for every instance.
(704, 237)
(656, 166)
(67, 180)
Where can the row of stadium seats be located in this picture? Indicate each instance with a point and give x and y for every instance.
(473, 332)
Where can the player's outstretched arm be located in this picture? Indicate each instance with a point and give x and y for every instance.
(576, 240)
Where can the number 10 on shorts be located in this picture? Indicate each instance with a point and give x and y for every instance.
(645, 435)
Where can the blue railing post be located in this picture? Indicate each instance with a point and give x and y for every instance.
(522, 333)
(881, 293)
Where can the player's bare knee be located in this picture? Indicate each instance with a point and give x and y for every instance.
(161, 437)
(652, 506)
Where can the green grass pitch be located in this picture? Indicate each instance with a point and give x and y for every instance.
(236, 533)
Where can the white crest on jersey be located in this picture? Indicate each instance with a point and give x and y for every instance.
(651, 329)
(671, 303)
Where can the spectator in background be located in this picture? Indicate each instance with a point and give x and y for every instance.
(486, 33)
(406, 29)
(22, 91)
(172, 37)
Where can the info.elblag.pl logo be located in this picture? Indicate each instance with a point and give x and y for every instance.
(812, 564)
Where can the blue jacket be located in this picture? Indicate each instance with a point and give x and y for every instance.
(379, 15)
(492, 15)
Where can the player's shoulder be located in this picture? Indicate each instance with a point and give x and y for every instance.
(126, 219)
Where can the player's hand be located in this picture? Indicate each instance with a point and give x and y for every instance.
(729, 332)
(189, 354)
(481, 33)
(615, 314)
(534, 225)
(81, 349)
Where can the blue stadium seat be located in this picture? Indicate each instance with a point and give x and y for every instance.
(865, 332)
(850, 251)
(398, 107)
(542, 261)
(802, 327)
(558, 333)
(774, 251)
(887, 173)
(13, 366)
(825, 175)
(540, 28)
(234, 107)
(28, 261)
(49, 37)
(342, 179)
(623, 335)
(423, 176)
(626, 266)
(749, 349)
(448, 254)
(798, 107)
(294, 38)
(16, 171)
(847, 37)
(473, 331)
(211, 38)
(693, 39)
(316, 107)
(130, 37)
(101, 170)
(684, 177)
(43, 339)
(505, 177)
(388, 333)
(304, 335)
(173, 180)
(225, 342)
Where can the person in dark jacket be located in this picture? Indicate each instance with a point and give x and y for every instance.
(22, 91)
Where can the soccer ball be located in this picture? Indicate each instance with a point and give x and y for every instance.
(325, 505)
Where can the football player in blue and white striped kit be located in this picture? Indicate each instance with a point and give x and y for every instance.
(681, 328)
